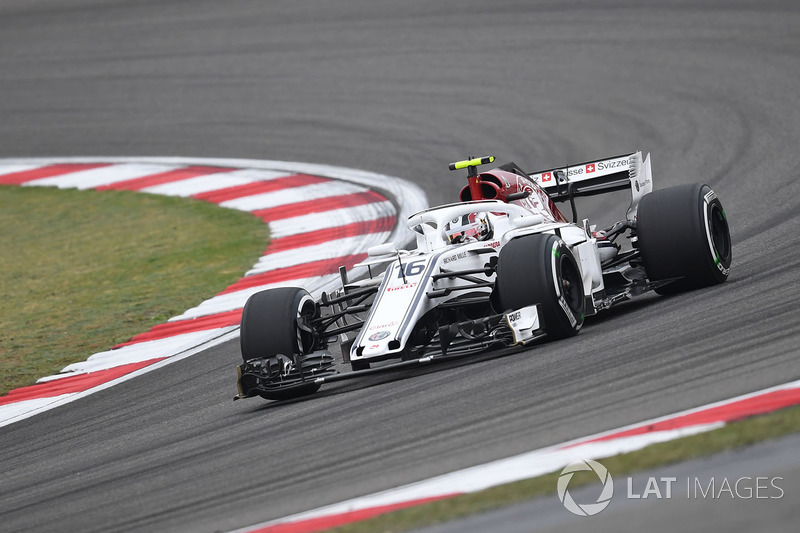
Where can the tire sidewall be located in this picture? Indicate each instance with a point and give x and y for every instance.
(530, 271)
(718, 260)
(269, 324)
(676, 237)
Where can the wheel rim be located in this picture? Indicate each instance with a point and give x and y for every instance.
(571, 285)
(720, 234)
(305, 340)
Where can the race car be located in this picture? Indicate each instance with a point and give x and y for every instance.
(502, 267)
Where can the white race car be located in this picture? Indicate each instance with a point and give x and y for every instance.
(503, 267)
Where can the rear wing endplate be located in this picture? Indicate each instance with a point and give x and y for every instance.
(599, 177)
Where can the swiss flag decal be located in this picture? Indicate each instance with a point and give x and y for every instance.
(547, 176)
(590, 167)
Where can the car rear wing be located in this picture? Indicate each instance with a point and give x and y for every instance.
(598, 177)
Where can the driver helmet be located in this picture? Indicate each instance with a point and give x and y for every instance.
(469, 227)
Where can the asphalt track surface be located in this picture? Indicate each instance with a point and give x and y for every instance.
(768, 475)
(403, 88)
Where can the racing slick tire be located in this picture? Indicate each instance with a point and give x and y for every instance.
(269, 328)
(683, 233)
(540, 269)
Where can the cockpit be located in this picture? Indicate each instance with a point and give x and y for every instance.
(469, 227)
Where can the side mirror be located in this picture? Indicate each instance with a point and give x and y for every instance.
(382, 249)
(527, 221)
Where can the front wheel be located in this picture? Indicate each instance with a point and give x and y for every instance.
(540, 269)
(272, 328)
(682, 232)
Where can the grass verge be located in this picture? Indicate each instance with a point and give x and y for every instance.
(734, 435)
(84, 270)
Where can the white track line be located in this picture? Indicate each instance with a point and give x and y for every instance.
(237, 299)
(14, 412)
(96, 177)
(200, 184)
(318, 252)
(141, 351)
(292, 196)
(11, 169)
(329, 219)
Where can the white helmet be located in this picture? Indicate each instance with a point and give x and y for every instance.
(469, 227)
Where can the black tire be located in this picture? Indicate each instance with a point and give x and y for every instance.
(269, 328)
(683, 233)
(540, 269)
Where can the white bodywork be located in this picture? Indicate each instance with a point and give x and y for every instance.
(405, 287)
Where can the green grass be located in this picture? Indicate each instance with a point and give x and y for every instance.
(83, 270)
(734, 435)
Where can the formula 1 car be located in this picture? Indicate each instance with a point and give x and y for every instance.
(502, 267)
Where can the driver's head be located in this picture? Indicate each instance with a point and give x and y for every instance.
(469, 227)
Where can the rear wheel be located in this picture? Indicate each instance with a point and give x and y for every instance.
(540, 269)
(270, 329)
(683, 233)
